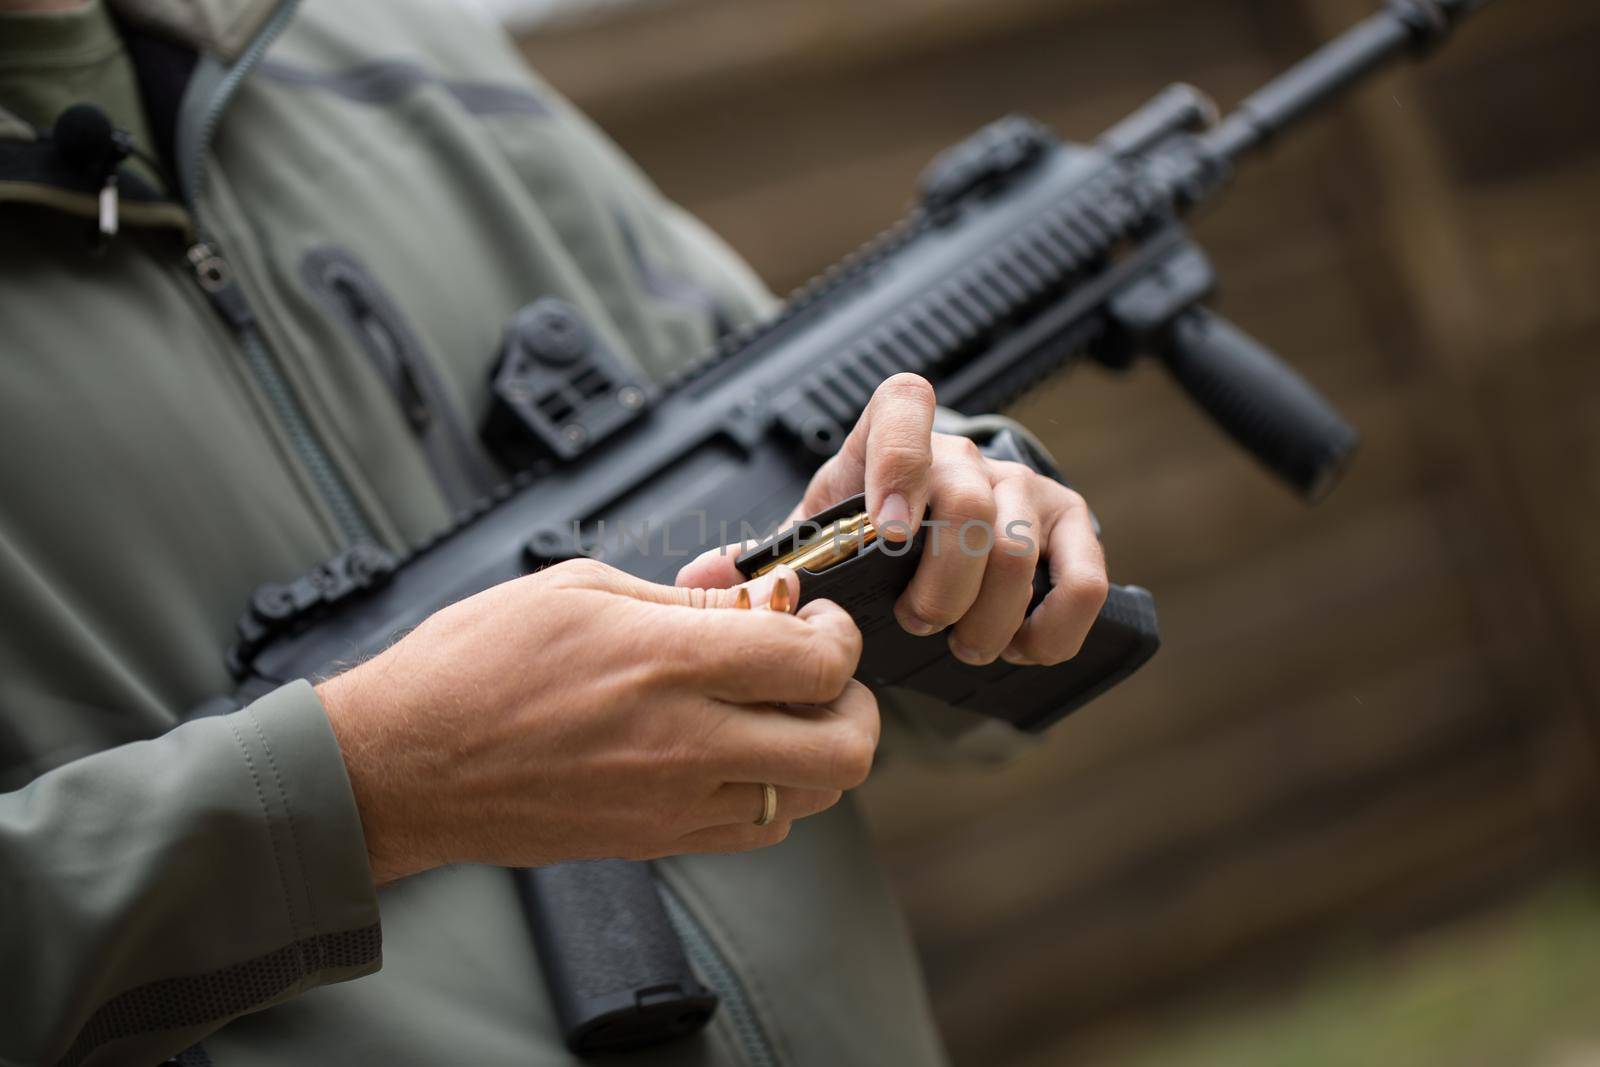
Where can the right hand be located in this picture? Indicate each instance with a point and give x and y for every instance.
(580, 713)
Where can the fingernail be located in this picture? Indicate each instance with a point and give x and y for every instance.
(894, 517)
(1014, 655)
(969, 655)
(921, 627)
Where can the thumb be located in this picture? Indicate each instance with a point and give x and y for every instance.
(714, 568)
(897, 454)
(711, 581)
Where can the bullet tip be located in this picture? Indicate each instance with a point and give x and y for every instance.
(780, 593)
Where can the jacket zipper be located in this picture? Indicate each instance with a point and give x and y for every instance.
(719, 974)
(215, 279)
(361, 305)
(212, 273)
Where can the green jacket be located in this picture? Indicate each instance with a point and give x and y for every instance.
(161, 886)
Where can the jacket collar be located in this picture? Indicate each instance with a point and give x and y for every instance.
(221, 27)
(221, 30)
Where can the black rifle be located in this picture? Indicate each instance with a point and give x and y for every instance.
(1022, 255)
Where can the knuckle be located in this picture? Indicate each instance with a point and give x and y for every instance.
(871, 719)
(773, 834)
(580, 572)
(966, 448)
(847, 655)
(956, 449)
(1056, 651)
(1009, 470)
(1014, 555)
(666, 675)
(863, 716)
(671, 762)
(900, 457)
(823, 671)
(985, 644)
(1047, 649)
(1087, 587)
(934, 607)
(853, 753)
(1073, 499)
(845, 634)
(938, 603)
(969, 500)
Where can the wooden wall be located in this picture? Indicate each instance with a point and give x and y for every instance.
(1367, 715)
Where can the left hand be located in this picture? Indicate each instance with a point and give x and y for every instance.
(991, 521)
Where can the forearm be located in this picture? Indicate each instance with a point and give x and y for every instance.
(155, 890)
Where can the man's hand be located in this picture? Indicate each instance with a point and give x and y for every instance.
(581, 713)
(992, 520)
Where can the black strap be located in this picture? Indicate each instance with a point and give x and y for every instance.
(40, 163)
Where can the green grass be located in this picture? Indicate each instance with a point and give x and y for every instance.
(1520, 986)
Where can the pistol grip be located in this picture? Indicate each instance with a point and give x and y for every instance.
(616, 970)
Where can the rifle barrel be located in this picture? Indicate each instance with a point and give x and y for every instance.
(1403, 26)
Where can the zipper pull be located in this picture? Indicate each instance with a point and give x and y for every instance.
(210, 269)
(215, 278)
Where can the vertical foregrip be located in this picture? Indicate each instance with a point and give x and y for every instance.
(1260, 401)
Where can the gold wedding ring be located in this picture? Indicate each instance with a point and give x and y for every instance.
(769, 804)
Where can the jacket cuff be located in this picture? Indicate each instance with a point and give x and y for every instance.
(315, 829)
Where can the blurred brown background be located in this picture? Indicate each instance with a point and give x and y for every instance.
(1369, 746)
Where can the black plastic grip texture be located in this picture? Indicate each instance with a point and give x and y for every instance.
(1260, 401)
(616, 970)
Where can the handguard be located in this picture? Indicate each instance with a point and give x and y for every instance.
(837, 557)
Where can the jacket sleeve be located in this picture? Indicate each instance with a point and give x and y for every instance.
(155, 890)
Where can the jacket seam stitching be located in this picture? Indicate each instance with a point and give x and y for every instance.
(294, 838)
(272, 837)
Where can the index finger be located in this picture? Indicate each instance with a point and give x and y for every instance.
(897, 448)
(761, 656)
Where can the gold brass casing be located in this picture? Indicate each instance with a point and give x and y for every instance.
(832, 545)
